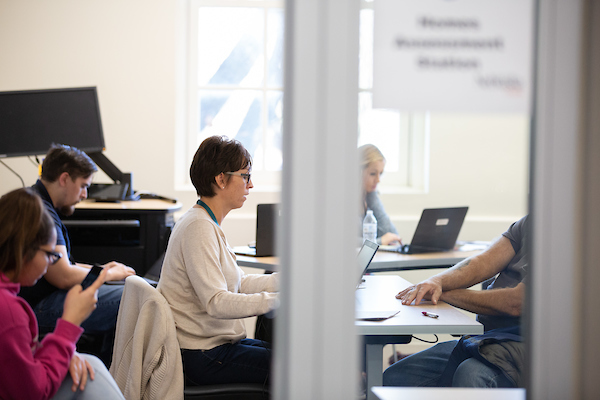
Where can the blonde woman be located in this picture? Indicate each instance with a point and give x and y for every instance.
(372, 165)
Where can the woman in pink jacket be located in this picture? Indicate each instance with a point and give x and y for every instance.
(38, 370)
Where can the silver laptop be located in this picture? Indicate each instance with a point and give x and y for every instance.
(437, 230)
(364, 258)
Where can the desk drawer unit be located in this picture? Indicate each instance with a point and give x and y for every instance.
(134, 237)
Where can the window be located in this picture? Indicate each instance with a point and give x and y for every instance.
(235, 87)
(402, 137)
(235, 81)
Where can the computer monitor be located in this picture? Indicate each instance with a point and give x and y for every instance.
(31, 120)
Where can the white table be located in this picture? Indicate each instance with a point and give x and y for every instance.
(390, 261)
(383, 261)
(377, 293)
(397, 393)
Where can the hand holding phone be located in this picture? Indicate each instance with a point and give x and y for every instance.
(80, 301)
(91, 277)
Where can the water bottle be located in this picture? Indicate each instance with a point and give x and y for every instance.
(370, 227)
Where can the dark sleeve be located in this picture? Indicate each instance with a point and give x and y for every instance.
(61, 230)
(516, 233)
(60, 237)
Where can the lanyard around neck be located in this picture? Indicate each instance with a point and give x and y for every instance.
(208, 210)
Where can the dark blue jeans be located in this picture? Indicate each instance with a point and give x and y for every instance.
(101, 323)
(426, 368)
(247, 361)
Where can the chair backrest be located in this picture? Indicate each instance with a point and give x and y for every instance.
(146, 360)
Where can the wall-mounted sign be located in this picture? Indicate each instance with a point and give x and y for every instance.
(453, 55)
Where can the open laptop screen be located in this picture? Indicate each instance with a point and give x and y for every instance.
(365, 255)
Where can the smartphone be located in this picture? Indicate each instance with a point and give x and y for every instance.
(91, 276)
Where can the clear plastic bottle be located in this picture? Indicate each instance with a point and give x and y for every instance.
(370, 227)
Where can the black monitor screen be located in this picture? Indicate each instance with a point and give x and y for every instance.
(30, 121)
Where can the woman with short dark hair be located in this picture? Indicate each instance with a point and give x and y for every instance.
(207, 291)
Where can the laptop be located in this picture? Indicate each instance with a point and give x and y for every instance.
(267, 219)
(114, 192)
(437, 231)
(364, 258)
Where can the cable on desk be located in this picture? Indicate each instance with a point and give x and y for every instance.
(437, 339)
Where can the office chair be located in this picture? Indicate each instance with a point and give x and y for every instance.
(242, 391)
(146, 360)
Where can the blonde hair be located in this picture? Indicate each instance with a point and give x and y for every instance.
(369, 154)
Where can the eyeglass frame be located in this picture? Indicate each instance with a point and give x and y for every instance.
(53, 256)
(246, 177)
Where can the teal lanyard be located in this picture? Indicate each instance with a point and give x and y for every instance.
(208, 210)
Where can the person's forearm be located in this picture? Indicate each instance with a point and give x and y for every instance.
(68, 276)
(478, 268)
(463, 275)
(507, 301)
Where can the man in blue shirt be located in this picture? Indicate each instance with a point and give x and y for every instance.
(66, 175)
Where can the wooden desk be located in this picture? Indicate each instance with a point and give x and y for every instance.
(397, 393)
(139, 205)
(269, 264)
(377, 293)
(132, 232)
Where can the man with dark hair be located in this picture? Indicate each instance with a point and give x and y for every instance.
(66, 175)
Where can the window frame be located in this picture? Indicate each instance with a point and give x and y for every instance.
(414, 127)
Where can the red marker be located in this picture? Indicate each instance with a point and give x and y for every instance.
(430, 315)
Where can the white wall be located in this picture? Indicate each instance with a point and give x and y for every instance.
(126, 49)
(130, 50)
(476, 160)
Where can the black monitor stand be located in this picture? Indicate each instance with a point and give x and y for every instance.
(114, 173)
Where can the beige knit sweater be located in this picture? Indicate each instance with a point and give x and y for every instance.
(207, 291)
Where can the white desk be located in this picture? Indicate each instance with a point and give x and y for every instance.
(383, 261)
(389, 261)
(396, 393)
(378, 294)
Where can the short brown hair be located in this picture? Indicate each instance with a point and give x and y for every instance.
(25, 225)
(61, 158)
(217, 154)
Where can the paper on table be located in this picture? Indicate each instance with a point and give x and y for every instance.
(377, 315)
(472, 246)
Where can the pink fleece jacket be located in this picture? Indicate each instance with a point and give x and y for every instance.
(29, 369)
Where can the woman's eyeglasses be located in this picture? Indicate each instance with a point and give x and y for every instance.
(53, 256)
(245, 176)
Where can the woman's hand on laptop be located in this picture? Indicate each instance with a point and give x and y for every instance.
(391, 239)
